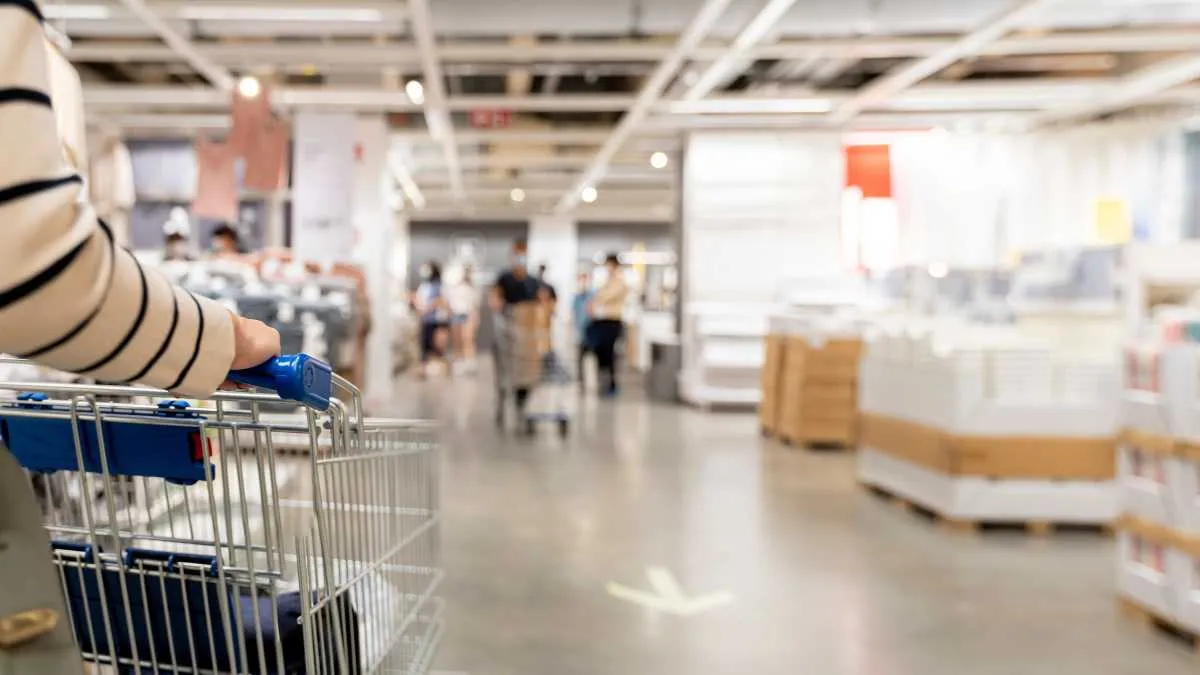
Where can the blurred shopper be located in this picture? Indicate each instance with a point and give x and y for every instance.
(226, 241)
(434, 309)
(581, 318)
(514, 287)
(608, 304)
(66, 304)
(463, 298)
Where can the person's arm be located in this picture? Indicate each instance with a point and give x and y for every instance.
(70, 298)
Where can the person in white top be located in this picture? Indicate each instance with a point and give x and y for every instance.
(72, 299)
(606, 308)
(463, 298)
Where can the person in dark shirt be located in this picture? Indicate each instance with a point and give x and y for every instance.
(513, 287)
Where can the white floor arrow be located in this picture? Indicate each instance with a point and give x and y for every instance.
(668, 596)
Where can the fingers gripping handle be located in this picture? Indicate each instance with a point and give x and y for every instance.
(295, 377)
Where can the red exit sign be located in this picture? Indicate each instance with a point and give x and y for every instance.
(491, 119)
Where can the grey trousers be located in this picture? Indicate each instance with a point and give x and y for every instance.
(30, 582)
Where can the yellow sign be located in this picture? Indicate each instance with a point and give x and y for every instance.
(1113, 223)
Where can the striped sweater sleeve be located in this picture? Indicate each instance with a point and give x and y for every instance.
(70, 298)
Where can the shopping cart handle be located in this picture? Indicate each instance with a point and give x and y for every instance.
(295, 377)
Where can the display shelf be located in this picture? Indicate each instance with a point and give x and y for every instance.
(723, 352)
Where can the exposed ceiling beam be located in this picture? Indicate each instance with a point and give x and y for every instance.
(1142, 86)
(139, 97)
(886, 86)
(695, 32)
(734, 61)
(370, 54)
(216, 75)
(112, 100)
(437, 113)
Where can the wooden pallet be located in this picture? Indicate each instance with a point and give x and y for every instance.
(816, 443)
(1169, 628)
(1035, 528)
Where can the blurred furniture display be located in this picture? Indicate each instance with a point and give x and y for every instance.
(723, 354)
(1158, 546)
(983, 426)
(318, 312)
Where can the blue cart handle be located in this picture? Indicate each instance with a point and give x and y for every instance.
(295, 377)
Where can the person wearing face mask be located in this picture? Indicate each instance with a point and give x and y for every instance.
(607, 307)
(582, 319)
(226, 241)
(434, 311)
(515, 290)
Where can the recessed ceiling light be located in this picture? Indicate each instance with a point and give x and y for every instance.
(589, 195)
(517, 195)
(415, 91)
(659, 160)
(249, 87)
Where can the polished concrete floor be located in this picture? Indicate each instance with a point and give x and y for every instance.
(825, 578)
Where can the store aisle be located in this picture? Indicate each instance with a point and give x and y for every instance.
(826, 579)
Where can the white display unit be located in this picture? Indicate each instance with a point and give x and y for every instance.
(1151, 269)
(723, 352)
(979, 390)
(1158, 560)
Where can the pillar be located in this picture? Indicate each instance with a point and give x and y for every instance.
(374, 226)
(554, 241)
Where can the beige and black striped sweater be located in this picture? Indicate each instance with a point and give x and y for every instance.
(69, 297)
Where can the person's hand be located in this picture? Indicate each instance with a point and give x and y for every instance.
(253, 343)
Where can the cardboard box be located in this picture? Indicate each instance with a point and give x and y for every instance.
(1015, 457)
(772, 378)
(1004, 457)
(914, 443)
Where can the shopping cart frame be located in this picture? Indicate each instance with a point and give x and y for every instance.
(347, 553)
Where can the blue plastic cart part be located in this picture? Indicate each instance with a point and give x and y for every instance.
(133, 444)
(190, 601)
(295, 377)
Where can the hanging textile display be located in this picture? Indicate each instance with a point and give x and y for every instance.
(266, 159)
(216, 181)
(250, 114)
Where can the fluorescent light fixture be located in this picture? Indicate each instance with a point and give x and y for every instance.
(750, 106)
(279, 13)
(402, 175)
(67, 12)
(589, 195)
(415, 91)
(517, 195)
(659, 160)
(249, 87)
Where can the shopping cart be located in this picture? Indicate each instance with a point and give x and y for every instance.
(184, 543)
(529, 371)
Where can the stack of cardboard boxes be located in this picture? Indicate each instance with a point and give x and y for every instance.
(768, 407)
(818, 391)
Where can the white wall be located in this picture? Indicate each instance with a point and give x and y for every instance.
(976, 199)
(759, 207)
